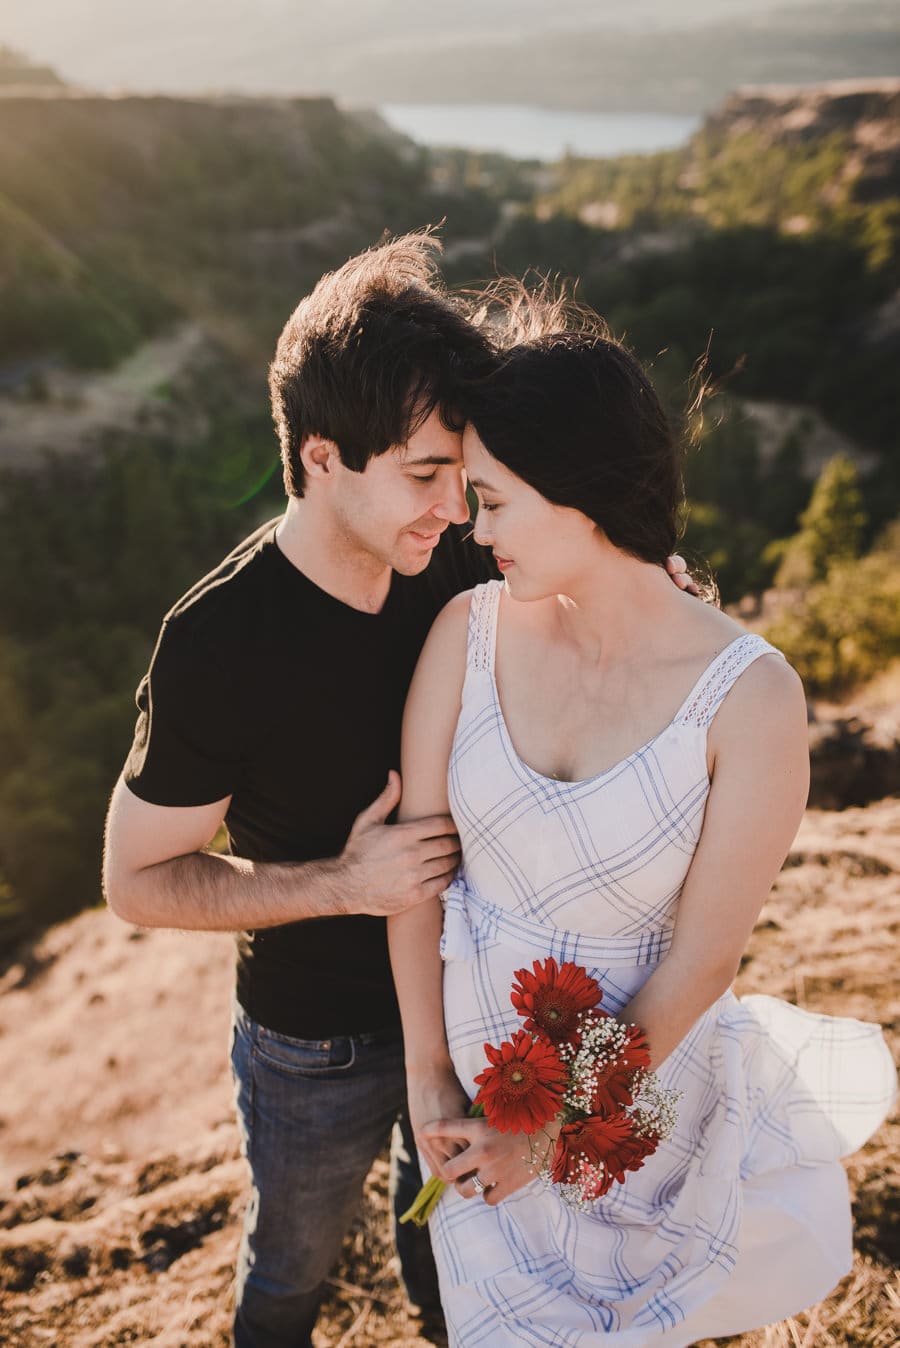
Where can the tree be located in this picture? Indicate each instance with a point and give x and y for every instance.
(831, 526)
(845, 629)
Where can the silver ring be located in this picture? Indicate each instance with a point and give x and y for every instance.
(478, 1184)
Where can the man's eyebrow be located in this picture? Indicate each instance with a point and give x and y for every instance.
(437, 459)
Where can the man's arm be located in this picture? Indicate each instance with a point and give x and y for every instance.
(156, 873)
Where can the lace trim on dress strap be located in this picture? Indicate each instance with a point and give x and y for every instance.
(482, 630)
(704, 701)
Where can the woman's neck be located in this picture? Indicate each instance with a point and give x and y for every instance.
(618, 606)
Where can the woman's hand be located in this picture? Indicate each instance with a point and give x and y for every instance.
(504, 1162)
(436, 1095)
(677, 569)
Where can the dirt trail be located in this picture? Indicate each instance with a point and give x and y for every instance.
(120, 1182)
(76, 409)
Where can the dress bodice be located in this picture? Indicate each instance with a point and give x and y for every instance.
(605, 857)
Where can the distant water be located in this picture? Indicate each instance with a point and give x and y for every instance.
(528, 132)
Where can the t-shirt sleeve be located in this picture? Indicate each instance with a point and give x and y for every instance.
(184, 750)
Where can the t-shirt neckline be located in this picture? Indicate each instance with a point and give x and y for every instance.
(287, 565)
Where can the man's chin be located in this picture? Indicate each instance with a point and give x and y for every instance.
(412, 566)
(414, 554)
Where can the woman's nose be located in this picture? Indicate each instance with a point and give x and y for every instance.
(481, 531)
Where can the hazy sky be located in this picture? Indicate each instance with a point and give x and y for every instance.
(288, 46)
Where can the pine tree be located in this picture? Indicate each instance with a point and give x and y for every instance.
(833, 524)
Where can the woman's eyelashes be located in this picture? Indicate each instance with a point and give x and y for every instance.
(487, 506)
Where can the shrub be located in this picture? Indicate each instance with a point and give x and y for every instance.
(846, 628)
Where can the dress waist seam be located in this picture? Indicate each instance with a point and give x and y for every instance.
(471, 924)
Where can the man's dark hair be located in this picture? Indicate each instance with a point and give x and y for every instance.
(570, 411)
(369, 354)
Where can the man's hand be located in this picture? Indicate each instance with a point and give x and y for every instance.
(387, 868)
(677, 569)
(502, 1161)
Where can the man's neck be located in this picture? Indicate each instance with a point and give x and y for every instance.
(311, 542)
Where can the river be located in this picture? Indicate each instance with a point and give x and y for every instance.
(527, 132)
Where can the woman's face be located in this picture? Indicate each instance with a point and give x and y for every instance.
(541, 549)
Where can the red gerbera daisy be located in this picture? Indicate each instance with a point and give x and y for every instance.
(594, 1153)
(522, 1089)
(553, 997)
(612, 1081)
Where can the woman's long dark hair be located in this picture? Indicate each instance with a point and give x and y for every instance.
(570, 411)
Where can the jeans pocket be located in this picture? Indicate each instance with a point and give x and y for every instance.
(303, 1057)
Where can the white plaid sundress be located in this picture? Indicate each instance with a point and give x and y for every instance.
(742, 1217)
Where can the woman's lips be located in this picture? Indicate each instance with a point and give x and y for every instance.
(502, 563)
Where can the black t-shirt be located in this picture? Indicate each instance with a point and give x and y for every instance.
(266, 688)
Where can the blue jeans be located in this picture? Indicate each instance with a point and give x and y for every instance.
(313, 1116)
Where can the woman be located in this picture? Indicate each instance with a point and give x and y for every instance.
(627, 769)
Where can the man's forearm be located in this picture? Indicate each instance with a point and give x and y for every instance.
(207, 892)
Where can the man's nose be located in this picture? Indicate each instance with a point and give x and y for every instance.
(453, 505)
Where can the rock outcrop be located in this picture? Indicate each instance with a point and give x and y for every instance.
(866, 112)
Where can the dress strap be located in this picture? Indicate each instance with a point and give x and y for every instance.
(710, 690)
(482, 637)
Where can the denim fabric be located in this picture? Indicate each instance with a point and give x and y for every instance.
(313, 1116)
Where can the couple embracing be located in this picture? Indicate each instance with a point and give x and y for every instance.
(595, 766)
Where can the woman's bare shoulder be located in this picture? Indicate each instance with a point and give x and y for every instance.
(453, 620)
(704, 621)
(764, 711)
(769, 687)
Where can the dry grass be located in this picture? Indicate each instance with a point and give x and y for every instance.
(113, 1050)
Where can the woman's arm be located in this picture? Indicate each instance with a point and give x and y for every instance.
(760, 780)
(429, 722)
(438, 1105)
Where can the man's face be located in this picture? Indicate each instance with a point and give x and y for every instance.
(397, 509)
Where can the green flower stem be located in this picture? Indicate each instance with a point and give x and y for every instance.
(428, 1197)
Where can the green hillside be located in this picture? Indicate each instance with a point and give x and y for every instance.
(119, 214)
(121, 219)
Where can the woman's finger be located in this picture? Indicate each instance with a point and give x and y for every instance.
(468, 1188)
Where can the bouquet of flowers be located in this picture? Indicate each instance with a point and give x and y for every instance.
(577, 1067)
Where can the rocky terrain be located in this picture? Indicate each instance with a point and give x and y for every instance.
(867, 112)
(121, 1185)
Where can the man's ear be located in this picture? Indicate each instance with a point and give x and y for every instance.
(319, 457)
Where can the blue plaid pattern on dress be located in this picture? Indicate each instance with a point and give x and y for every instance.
(742, 1216)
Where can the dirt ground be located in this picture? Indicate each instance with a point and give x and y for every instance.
(121, 1187)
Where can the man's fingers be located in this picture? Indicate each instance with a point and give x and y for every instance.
(445, 867)
(434, 849)
(431, 826)
(675, 564)
(434, 888)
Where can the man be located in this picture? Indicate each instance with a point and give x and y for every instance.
(273, 703)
